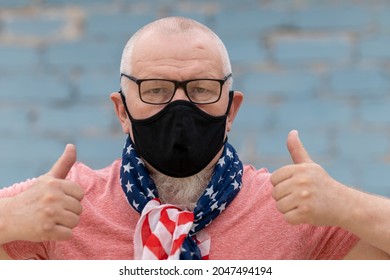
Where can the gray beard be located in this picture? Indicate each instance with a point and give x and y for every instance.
(182, 192)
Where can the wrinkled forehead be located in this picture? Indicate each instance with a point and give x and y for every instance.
(192, 47)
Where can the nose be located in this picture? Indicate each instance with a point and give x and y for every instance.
(180, 94)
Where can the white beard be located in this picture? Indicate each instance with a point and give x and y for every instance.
(183, 192)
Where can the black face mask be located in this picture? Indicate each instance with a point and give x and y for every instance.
(181, 139)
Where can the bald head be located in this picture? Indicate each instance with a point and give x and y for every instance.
(168, 27)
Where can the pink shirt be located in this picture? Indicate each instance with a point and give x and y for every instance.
(250, 228)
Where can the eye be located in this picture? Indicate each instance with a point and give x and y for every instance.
(156, 87)
(200, 90)
(156, 90)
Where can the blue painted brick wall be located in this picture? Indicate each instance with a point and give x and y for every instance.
(322, 67)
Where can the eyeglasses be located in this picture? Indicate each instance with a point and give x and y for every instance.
(161, 91)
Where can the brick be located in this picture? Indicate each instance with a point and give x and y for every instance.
(253, 116)
(81, 54)
(311, 113)
(98, 85)
(291, 84)
(33, 87)
(79, 119)
(383, 16)
(346, 171)
(375, 48)
(273, 142)
(375, 112)
(86, 3)
(237, 23)
(15, 3)
(247, 50)
(99, 152)
(375, 179)
(13, 120)
(115, 26)
(336, 17)
(311, 49)
(359, 81)
(13, 57)
(24, 158)
(33, 26)
(362, 143)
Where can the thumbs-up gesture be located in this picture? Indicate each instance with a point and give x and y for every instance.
(50, 208)
(304, 192)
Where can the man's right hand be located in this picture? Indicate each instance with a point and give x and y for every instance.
(49, 209)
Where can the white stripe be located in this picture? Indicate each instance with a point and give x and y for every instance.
(164, 236)
(153, 210)
(204, 243)
(148, 255)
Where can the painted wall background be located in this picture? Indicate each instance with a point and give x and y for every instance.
(322, 67)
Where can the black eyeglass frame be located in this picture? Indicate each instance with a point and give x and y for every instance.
(178, 84)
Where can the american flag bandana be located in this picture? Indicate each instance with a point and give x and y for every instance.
(166, 231)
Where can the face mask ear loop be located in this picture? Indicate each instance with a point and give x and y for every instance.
(124, 104)
(231, 93)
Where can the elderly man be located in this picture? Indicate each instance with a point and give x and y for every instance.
(180, 190)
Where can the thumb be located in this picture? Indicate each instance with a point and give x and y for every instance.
(295, 147)
(61, 168)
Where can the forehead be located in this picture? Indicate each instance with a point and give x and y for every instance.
(173, 55)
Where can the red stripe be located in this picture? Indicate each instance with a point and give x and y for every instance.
(145, 230)
(154, 245)
(177, 243)
(167, 222)
(151, 241)
(185, 217)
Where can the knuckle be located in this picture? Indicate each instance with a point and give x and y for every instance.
(51, 182)
(303, 181)
(49, 212)
(305, 194)
(304, 210)
(50, 198)
(47, 227)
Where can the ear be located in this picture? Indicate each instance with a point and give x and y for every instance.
(238, 97)
(120, 111)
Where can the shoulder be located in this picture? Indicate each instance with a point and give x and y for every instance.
(256, 182)
(255, 194)
(256, 176)
(87, 176)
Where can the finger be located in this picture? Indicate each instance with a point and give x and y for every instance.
(60, 233)
(72, 189)
(61, 168)
(281, 190)
(286, 204)
(68, 219)
(295, 147)
(294, 216)
(72, 205)
(61, 227)
(282, 174)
